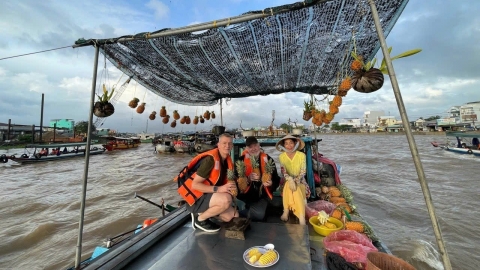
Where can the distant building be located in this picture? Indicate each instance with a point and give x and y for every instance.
(469, 112)
(67, 124)
(354, 122)
(370, 118)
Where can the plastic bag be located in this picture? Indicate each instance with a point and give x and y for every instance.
(312, 208)
(351, 245)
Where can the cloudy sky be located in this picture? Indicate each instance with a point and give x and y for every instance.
(444, 74)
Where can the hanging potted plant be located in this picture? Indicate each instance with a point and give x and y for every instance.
(308, 110)
(366, 78)
(103, 107)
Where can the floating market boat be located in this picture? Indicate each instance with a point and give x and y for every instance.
(34, 153)
(461, 142)
(120, 143)
(302, 47)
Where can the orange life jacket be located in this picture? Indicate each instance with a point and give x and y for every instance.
(249, 169)
(185, 177)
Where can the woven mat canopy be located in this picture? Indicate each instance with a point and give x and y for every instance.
(303, 47)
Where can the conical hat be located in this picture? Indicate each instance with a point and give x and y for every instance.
(281, 141)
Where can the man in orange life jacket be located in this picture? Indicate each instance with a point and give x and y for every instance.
(257, 196)
(207, 192)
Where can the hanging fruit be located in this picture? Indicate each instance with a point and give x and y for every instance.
(195, 120)
(183, 120)
(173, 124)
(213, 115)
(206, 115)
(202, 120)
(187, 120)
(163, 112)
(333, 109)
(176, 115)
(141, 108)
(133, 103)
(152, 115)
(337, 101)
(166, 119)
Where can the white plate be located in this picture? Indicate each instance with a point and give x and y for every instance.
(257, 264)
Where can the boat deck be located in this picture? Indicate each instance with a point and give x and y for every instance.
(171, 243)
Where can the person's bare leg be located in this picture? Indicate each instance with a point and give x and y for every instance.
(285, 198)
(228, 214)
(218, 204)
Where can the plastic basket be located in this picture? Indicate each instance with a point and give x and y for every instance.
(384, 261)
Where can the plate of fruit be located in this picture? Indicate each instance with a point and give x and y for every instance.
(261, 256)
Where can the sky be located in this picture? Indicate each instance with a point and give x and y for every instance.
(443, 75)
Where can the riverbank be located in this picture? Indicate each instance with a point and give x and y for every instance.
(429, 133)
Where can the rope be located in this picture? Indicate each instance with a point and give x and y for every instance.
(8, 57)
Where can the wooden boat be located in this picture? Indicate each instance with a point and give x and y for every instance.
(461, 142)
(49, 152)
(312, 41)
(120, 143)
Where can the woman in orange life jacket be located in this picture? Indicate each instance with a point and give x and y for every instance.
(212, 200)
(257, 195)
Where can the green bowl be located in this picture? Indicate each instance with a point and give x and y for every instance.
(322, 230)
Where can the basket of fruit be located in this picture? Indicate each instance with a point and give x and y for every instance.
(328, 226)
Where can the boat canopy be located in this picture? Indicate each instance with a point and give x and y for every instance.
(475, 134)
(302, 47)
(55, 145)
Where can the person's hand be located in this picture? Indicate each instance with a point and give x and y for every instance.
(254, 177)
(227, 188)
(292, 185)
(267, 183)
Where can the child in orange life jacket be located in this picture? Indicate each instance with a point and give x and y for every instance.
(293, 166)
(257, 194)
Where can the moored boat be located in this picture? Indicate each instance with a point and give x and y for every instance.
(120, 143)
(34, 153)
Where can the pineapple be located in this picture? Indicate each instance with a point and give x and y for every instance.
(269, 167)
(333, 109)
(231, 178)
(213, 115)
(346, 84)
(166, 119)
(337, 213)
(357, 226)
(176, 115)
(195, 120)
(346, 193)
(141, 108)
(337, 101)
(357, 65)
(242, 179)
(163, 112)
(255, 164)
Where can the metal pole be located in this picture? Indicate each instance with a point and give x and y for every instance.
(54, 131)
(8, 129)
(78, 257)
(411, 141)
(41, 117)
(221, 113)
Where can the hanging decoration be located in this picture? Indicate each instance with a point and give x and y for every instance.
(206, 115)
(141, 108)
(173, 124)
(152, 116)
(176, 115)
(163, 111)
(213, 115)
(195, 120)
(103, 107)
(133, 103)
(166, 119)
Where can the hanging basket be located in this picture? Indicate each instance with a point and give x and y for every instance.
(102, 109)
(367, 81)
(307, 115)
(383, 261)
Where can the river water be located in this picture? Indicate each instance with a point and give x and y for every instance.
(39, 203)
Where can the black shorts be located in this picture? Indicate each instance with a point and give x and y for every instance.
(201, 205)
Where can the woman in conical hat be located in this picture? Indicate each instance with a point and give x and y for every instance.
(293, 167)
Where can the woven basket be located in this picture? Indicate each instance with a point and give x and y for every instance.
(383, 261)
